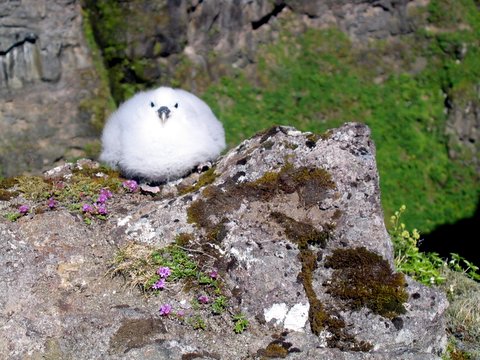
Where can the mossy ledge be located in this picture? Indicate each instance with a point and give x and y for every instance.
(363, 278)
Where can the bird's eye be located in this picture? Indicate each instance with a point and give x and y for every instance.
(152, 104)
(176, 106)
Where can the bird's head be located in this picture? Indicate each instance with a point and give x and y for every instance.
(165, 104)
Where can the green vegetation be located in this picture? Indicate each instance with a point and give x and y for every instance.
(240, 323)
(84, 191)
(99, 104)
(455, 277)
(319, 80)
(173, 269)
(423, 267)
(427, 268)
(112, 22)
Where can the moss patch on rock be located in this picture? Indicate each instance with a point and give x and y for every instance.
(308, 239)
(363, 278)
(220, 200)
(205, 179)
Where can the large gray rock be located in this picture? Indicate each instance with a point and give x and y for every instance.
(290, 220)
(47, 83)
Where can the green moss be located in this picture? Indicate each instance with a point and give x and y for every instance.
(317, 315)
(304, 235)
(5, 185)
(274, 350)
(6, 195)
(312, 185)
(33, 187)
(183, 239)
(82, 186)
(301, 233)
(205, 179)
(218, 232)
(307, 238)
(313, 138)
(85, 183)
(99, 104)
(363, 278)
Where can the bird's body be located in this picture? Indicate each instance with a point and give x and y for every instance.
(161, 134)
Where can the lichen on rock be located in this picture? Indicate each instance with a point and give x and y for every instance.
(272, 232)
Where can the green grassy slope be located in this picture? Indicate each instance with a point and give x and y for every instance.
(319, 80)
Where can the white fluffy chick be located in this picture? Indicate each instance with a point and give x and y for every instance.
(161, 135)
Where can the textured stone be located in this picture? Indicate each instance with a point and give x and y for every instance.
(56, 302)
(46, 74)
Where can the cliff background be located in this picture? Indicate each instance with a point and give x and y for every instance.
(408, 69)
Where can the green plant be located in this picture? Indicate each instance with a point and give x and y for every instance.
(460, 264)
(317, 80)
(197, 323)
(13, 216)
(240, 323)
(219, 304)
(424, 267)
(155, 270)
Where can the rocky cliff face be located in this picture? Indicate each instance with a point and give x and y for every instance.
(198, 42)
(287, 230)
(47, 79)
(54, 102)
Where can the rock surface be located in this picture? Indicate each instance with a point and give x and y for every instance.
(198, 42)
(277, 221)
(46, 80)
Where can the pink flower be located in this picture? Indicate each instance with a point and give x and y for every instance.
(164, 271)
(165, 309)
(130, 185)
(23, 209)
(105, 194)
(102, 209)
(160, 284)
(52, 203)
(203, 299)
(213, 274)
(86, 208)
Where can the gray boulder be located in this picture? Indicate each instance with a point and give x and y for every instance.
(290, 222)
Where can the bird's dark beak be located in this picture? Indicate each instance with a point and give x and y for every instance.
(163, 113)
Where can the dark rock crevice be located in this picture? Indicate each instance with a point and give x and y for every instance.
(30, 38)
(266, 18)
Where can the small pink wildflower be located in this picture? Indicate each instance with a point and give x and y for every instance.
(160, 284)
(52, 203)
(213, 274)
(130, 185)
(102, 209)
(164, 271)
(86, 208)
(23, 209)
(102, 198)
(105, 194)
(180, 313)
(165, 309)
(203, 299)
